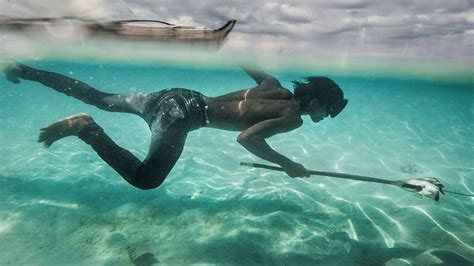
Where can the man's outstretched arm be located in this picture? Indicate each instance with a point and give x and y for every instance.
(253, 139)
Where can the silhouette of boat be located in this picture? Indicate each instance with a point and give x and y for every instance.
(144, 30)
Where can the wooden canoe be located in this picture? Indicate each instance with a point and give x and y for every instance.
(145, 30)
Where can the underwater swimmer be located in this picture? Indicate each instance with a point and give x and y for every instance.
(258, 113)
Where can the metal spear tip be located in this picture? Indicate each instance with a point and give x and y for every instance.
(425, 186)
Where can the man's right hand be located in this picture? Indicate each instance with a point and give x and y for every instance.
(12, 72)
(296, 170)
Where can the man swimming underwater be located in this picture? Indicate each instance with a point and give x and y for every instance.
(258, 113)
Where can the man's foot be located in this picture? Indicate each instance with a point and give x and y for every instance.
(69, 126)
(12, 72)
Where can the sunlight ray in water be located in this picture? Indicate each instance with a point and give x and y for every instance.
(391, 219)
(8, 222)
(387, 239)
(352, 232)
(57, 204)
(442, 228)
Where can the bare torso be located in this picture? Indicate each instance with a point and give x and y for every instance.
(242, 109)
(259, 113)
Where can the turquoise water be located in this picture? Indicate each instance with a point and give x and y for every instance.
(64, 205)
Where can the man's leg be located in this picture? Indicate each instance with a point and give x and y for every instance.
(165, 149)
(128, 103)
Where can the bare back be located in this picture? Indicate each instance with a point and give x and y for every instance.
(242, 109)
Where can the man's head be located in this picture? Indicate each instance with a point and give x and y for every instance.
(319, 97)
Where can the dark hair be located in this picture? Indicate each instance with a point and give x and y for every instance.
(324, 90)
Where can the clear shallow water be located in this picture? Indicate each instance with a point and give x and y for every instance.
(64, 205)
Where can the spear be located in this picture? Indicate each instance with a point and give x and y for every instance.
(425, 186)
